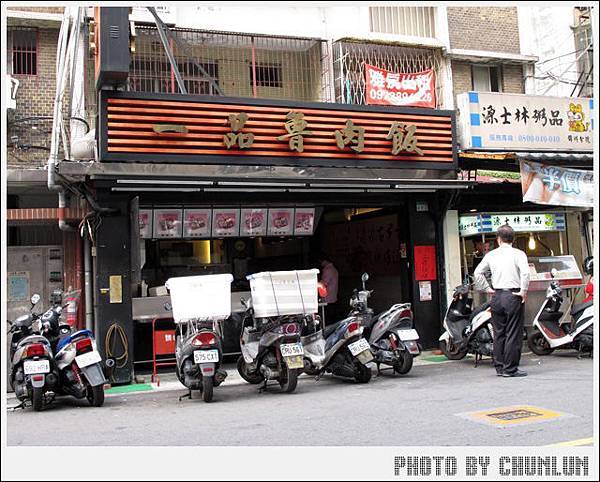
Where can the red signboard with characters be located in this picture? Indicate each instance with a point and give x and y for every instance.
(425, 263)
(409, 90)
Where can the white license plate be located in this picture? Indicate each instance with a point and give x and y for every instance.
(206, 356)
(32, 367)
(88, 359)
(358, 346)
(291, 349)
(407, 335)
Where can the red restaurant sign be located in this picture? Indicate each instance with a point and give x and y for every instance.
(408, 90)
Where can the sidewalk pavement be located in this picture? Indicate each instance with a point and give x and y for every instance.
(168, 381)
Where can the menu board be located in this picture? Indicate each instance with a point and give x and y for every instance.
(225, 223)
(304, 221)
(197, 223)
(281, 222)
(145, 223)
(167, 223)
(253, 222)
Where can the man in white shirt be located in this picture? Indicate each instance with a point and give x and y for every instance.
(509, 271)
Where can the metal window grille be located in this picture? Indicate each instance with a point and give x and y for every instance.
(349, 59)
(23, 46)
(243, 65)
(413, 21)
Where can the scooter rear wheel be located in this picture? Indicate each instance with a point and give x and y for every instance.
(207, 389)
(37, 399)
(452, 352)
(288, 385)
(538, 344)
(95, 395)
(404, 365)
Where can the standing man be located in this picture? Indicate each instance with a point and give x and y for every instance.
(509, 271)
(329, 277)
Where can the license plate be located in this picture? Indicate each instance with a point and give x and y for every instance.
(407, 335)
(358, 346)
(32, 367)
(88, 359)
(291, 349)
(206, 356)
(365, 357)
(293, 362)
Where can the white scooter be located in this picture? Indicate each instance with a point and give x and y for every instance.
(549, 334)
(467, 330)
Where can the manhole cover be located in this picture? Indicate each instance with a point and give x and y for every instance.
(514, 414)
(511, 416)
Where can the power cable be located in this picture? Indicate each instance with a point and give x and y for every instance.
(116, 331)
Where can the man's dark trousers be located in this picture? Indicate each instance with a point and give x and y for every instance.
(507, 321)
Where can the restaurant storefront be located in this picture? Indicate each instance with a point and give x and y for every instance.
(201, 184)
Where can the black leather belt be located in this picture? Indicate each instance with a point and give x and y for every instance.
(510, 290)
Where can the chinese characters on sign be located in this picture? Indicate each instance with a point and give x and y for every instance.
(243, 140)
(402, 135)
(390, 88)
(520, 222)
(514, 121)
(557, 186)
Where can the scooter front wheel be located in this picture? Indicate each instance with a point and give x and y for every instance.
(251, 377)
(538, 344)
(207, 389)
(452, 352)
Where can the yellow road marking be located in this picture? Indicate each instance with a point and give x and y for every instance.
(574, 443)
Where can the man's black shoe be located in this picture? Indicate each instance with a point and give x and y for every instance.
(516, 373)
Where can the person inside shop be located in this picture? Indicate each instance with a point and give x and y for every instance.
(481, 249)
(330, 278)
(509, 272)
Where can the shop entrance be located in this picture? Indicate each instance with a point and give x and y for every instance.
(355, 239)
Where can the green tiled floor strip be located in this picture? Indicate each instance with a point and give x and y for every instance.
(435, 358)
(139, 387)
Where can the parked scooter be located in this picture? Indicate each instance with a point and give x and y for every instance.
(33, 372)
(199, 305)
(548, 334)
(391, 334)
(199, 354)
(340, 349)
(467, 330)
(271, 349)
(81, 369)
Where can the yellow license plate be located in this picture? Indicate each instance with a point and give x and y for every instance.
(365, 357)
(294, 362)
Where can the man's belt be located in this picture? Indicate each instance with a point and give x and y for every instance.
(511, 290)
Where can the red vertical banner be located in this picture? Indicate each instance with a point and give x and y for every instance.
(425, 263)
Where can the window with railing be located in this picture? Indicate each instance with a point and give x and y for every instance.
(412, 21)
(268, 75)
(23, 51)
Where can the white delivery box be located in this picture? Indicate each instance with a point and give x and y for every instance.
(276, 293)
(206, 297)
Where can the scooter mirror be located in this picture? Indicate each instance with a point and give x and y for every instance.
(35, 299)
(553, 273)
(364, 278)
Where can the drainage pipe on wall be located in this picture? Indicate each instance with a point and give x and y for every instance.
(87, 280)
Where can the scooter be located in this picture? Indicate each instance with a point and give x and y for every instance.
(33, 372)
(549, 334)
(199, 353)
(467, 330)
(391, 334)
(271, 350)
(82, 373)
(340, 349)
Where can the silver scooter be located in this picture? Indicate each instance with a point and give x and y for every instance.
(468, 330)
(391, 334)
(549, 334)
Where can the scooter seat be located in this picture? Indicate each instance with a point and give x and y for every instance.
(329, 329)
(580, 307)
(479, 309)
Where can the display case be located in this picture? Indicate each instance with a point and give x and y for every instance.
(541, 268)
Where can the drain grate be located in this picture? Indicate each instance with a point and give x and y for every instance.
(513, 415)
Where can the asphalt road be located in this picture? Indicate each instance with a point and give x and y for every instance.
(421, 408)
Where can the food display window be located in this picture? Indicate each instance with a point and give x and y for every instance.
(562, 268)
